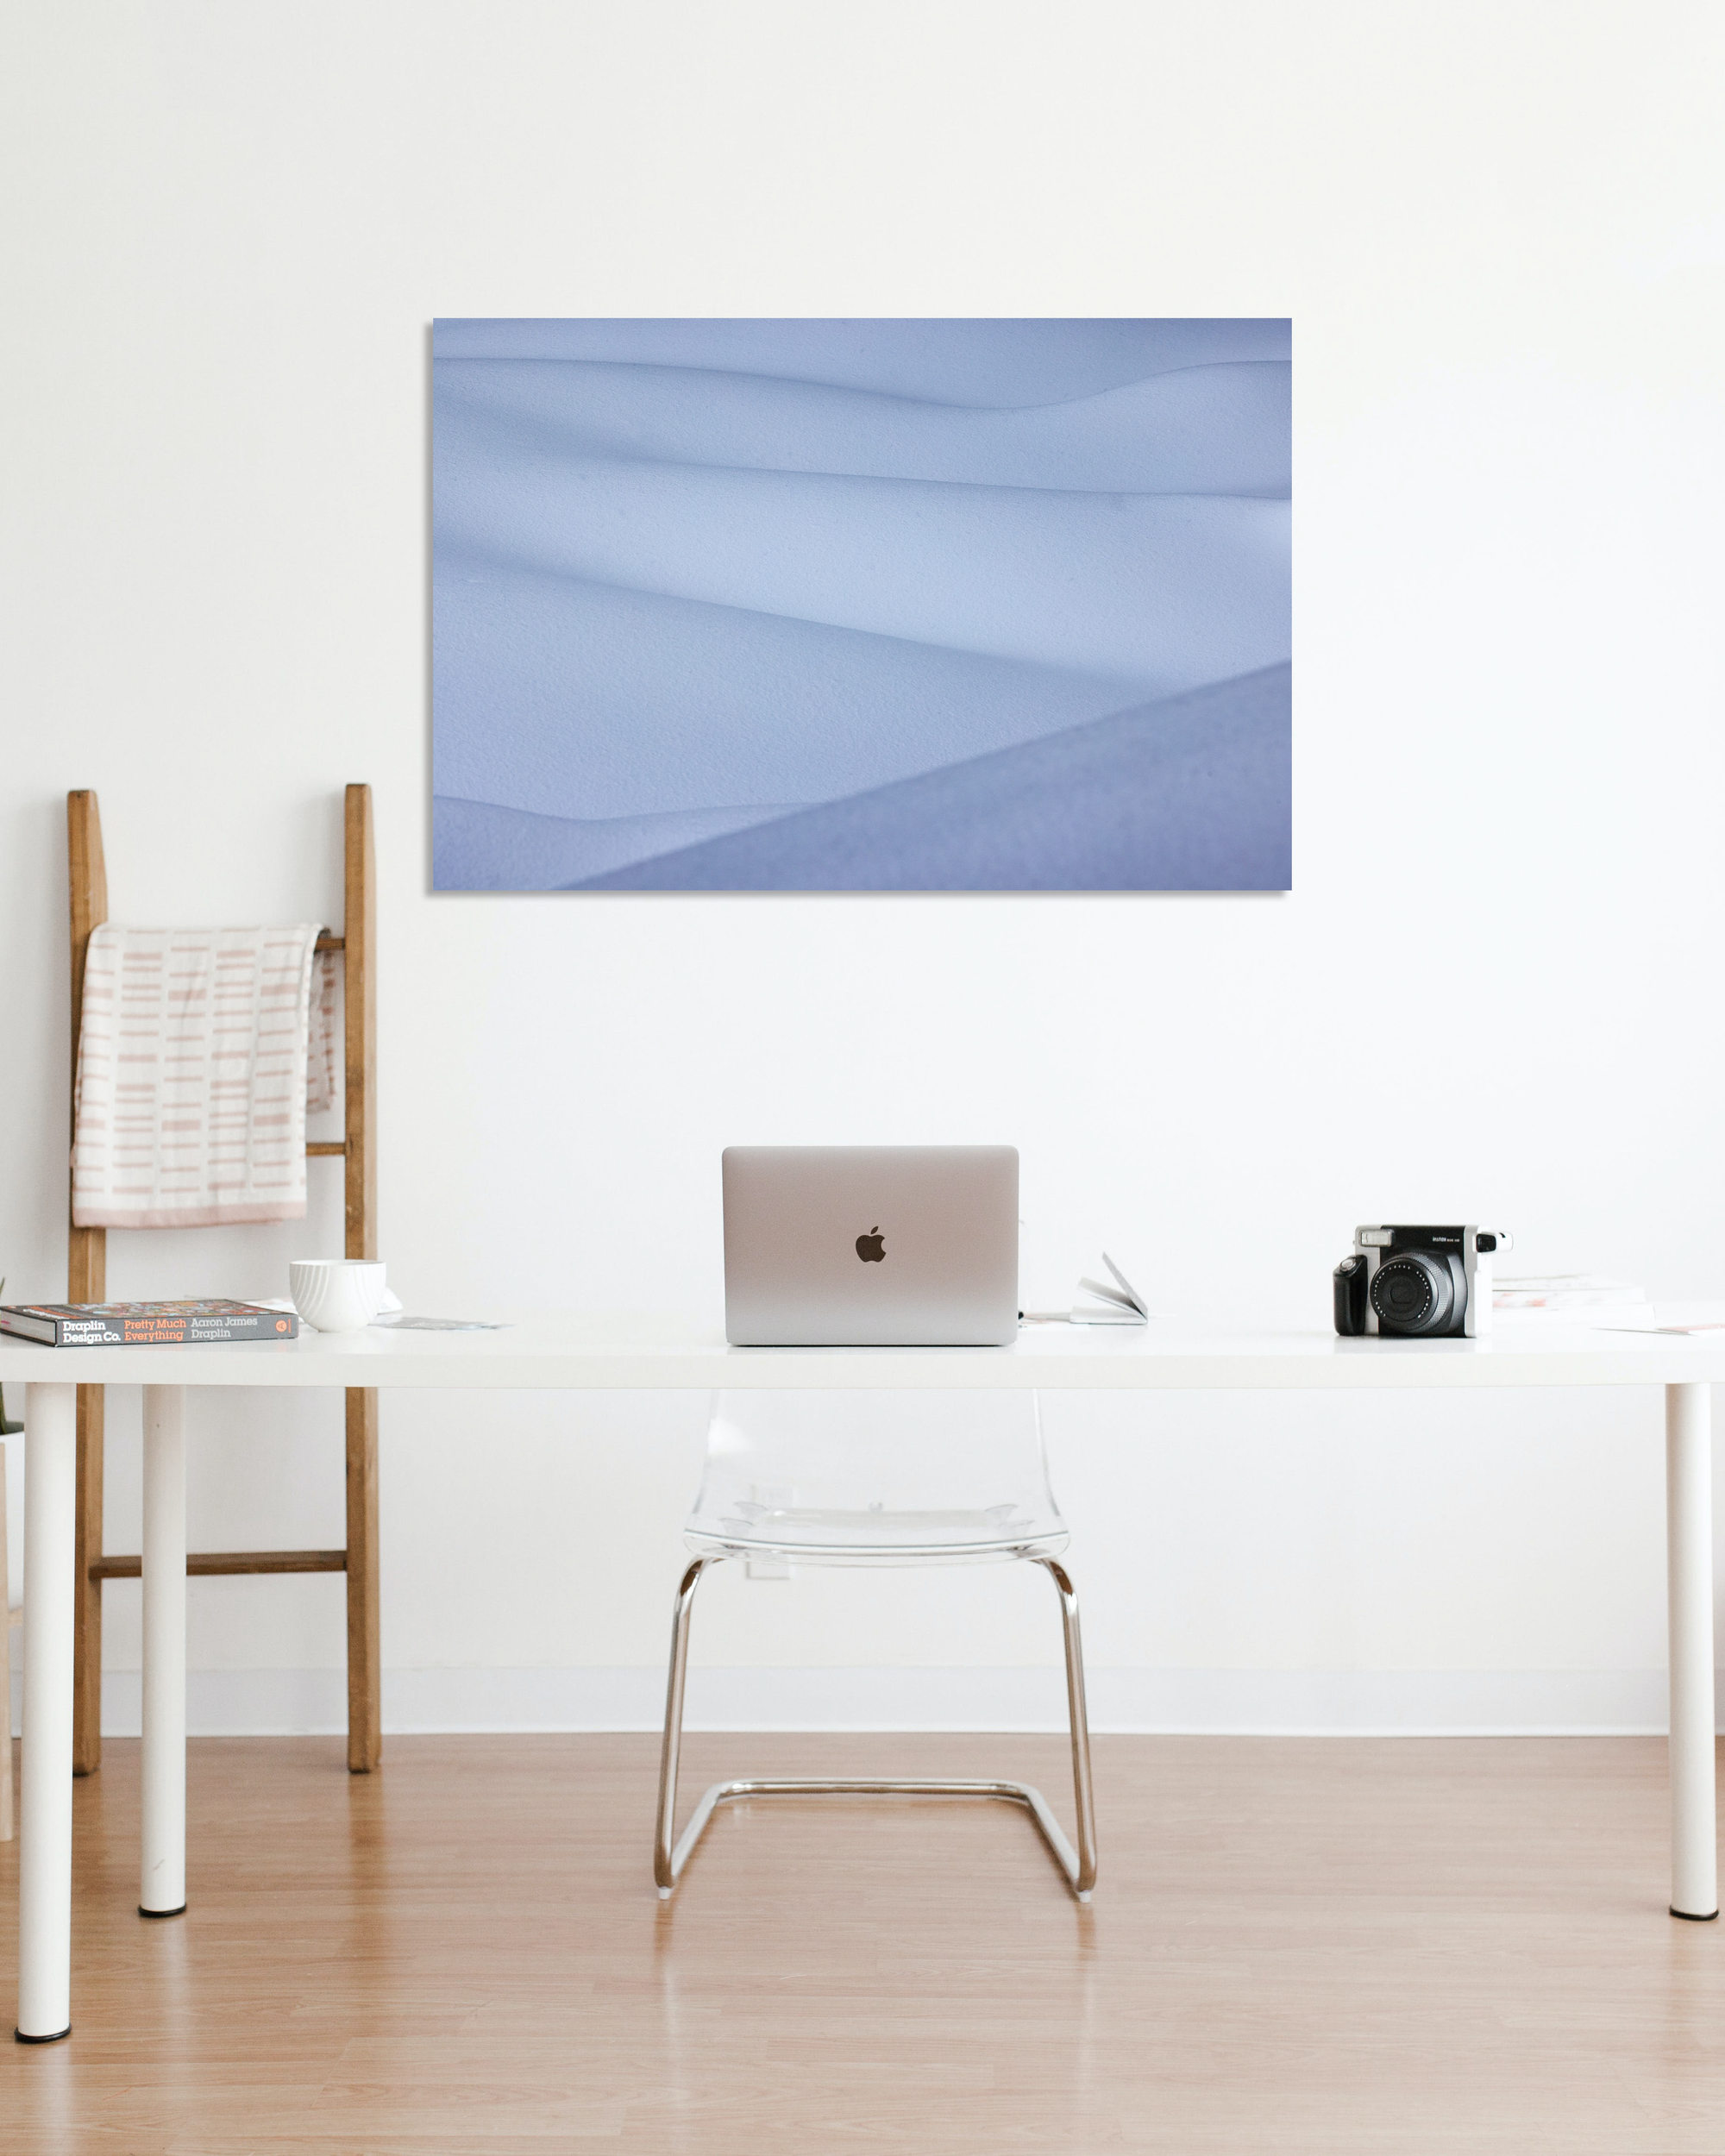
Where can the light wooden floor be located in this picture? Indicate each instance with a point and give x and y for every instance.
(1453, 1946)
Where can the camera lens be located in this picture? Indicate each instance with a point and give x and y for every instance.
(1413, 1293)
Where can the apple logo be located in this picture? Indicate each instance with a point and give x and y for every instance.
(871, 1248)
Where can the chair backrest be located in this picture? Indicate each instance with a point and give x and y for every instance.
(928, 1454)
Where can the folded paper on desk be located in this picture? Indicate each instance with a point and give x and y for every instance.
(399, 1320)
(1713, 1324)
(405, 1321)
(1118, 1305)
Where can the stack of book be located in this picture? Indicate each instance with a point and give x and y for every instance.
(144, 1324)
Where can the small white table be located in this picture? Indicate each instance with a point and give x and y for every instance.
(643, 1354)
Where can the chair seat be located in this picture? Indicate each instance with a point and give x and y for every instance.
(861, 1478)
(876, 1536)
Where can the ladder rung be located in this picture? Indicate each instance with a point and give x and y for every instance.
(322, 1148)
(330, 942)
(231, 1561)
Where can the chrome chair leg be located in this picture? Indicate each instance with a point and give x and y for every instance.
(1078, 1721)
(1079, 1866)
(665, 1867)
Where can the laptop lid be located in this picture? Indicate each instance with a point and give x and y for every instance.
(871, 1245)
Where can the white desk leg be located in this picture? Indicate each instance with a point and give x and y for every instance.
(1689, 1581)
(162, 1892)
(44, 1840)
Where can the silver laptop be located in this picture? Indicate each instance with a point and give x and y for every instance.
(871, 1245)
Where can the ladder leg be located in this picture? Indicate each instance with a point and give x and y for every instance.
(86, 1593)
(365, 1674)
(86, 1280)
(359, 930)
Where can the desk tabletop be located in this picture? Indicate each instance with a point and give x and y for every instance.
(635, 1352)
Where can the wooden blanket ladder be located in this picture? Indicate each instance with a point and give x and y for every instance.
(87, 1270)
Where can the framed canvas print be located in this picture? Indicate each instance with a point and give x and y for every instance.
(865, 606)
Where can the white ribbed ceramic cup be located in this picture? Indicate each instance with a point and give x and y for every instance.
(336, 1295)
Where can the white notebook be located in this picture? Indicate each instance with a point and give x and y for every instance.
(1118, 1305)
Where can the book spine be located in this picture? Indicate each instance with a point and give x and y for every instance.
(267, 1325)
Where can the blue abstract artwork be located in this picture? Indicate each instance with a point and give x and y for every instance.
(882, 605)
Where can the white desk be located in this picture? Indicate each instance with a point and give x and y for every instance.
(662, 1354)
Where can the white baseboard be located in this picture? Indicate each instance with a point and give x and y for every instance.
(1357, 1703)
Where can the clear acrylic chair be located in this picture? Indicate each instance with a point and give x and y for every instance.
(878, 1478)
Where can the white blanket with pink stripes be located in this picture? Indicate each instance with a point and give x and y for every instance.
(192, 1076)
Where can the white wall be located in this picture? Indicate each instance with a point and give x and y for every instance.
(1492, 993)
